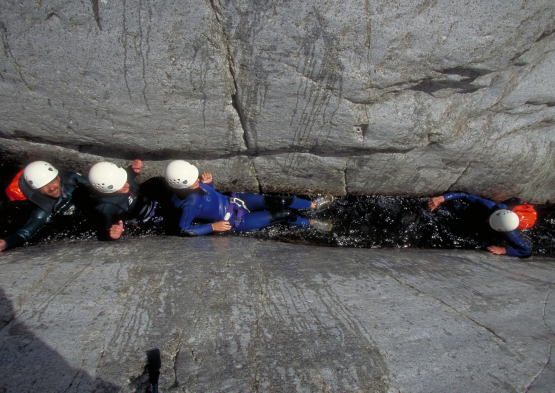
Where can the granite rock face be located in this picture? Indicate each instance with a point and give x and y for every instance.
(231, 314)
(398, 98)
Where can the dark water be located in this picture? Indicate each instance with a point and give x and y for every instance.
(358, 221)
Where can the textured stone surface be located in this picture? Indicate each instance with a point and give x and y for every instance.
(236, 314)
(398, 98)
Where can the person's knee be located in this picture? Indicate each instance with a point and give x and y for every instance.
(278, 201)
(283, 215)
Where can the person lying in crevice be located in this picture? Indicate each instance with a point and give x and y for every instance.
(53, 194)
(490, 218)
(198, 201)
(117, 199)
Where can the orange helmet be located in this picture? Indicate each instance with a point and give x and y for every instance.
(526, 215)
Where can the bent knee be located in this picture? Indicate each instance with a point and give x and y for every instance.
(187, 233)
(278, 201)
(283, 215)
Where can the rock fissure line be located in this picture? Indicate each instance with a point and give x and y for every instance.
(8, 53)
(8, 321)
(144, 62)
(235, 102)
(115, 151)
(550, 346)
(124, 33)
(460, 176)
(452, 308)
(96, 13)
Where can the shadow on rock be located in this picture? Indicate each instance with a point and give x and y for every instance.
(28, 364)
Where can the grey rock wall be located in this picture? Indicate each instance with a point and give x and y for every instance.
(231, 314)
(393, 98)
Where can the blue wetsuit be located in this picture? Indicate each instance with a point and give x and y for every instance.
(518, 247)
(47, 207)
(212, 207)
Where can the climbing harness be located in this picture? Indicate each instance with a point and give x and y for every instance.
(240, 207)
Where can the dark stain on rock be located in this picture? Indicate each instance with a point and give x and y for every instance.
(464, 85)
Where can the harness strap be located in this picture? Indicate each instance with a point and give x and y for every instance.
(239, 206)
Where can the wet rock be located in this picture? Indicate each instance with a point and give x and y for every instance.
(236, 314)
(397, 99)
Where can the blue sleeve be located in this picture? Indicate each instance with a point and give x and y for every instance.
(37, 220)
(520, 249)
(472, 199)
(189, 212)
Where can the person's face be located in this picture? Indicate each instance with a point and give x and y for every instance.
(52, 189)
(124, 189)
(194, 185)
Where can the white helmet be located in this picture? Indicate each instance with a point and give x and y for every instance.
(39, 173)
(180, 174)
(107, 177)
(504, 220)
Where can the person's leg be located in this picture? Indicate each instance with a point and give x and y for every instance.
(261, 219)
(257, 202)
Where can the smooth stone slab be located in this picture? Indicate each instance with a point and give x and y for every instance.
(237, 314)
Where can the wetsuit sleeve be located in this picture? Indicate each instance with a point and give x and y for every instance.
(188, 214)
(104, 223)
(519, 248)
(472, 199)
(37, 220)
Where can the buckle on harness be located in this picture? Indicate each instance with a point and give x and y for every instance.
(239, 202)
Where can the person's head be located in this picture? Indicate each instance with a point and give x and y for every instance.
(108, 178)
(42, 176)
(504, 220)
(181, 175)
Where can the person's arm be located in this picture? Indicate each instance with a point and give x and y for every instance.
(81, 180)
(108, 226)
(37, 220)
(472, 199)
(188, 214)
(518, 248)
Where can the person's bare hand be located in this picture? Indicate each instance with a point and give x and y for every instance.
(433, 203)
(497, 250)
(2, 244)
(206, 178)
(137, 166)
(221, 226)
(116, 230)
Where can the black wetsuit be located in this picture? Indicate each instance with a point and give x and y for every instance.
(47, 206)
(109, 209)
(482, 209)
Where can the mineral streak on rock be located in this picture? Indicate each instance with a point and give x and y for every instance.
(399, 98)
